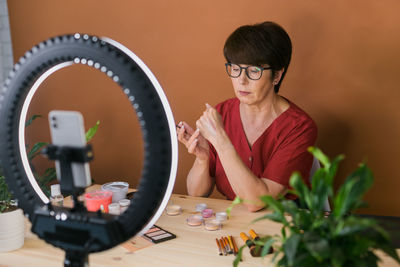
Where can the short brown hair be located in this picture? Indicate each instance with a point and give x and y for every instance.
(258, 44)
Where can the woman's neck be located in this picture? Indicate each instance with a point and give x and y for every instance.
(268, 110)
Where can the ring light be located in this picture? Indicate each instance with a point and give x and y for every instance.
(88, 231)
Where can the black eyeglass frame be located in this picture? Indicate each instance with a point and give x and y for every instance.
(245, 70)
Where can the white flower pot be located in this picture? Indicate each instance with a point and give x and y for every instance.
(12, 230)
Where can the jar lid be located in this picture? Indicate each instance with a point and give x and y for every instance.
(115, 186)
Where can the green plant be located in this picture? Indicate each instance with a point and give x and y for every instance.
(310, 237)
(5, 195)
(49, 174)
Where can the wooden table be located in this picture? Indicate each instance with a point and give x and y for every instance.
(194, 246)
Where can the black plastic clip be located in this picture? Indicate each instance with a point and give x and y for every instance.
(67, 155)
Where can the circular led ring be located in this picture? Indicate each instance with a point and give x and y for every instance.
(143, 92)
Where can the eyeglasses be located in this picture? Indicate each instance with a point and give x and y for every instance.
(253, 72)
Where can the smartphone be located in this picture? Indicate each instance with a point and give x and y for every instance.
(67, 129)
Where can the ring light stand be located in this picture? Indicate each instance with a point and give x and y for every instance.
(76, 230)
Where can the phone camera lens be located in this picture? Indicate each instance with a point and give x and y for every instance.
(54, 125)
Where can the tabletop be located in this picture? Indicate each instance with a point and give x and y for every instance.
(193, 246)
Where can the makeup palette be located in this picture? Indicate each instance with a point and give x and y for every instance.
(156, 234)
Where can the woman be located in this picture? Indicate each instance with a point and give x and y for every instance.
(249, 146)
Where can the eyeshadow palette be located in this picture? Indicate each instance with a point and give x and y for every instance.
(156, 234)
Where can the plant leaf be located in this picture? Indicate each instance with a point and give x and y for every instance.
(352, 225)
(318, 246)
(277, 207)
(235, 202)
(349, 196)
(319, 191)
(290, 248)
(301, 189)
(273, 203)
(29, 121)
(238, 256)
(92, 131)
(267, 245)
(36, 149)
(332, 172)
(320, 156)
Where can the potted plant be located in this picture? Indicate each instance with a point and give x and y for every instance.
(12, 222)
(311, 237)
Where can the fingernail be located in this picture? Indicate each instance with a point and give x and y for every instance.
(207, 105)
(197, 130)
(180, 123)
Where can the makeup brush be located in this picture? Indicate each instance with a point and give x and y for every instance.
(256, 237)
(228, 251)
(235, 248)
(253, 251)
(219, 246)
(231, 244)
(228, 245)
(221, 243)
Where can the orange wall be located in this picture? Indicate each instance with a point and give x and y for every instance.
(344, 73)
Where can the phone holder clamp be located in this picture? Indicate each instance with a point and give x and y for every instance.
(67, 155)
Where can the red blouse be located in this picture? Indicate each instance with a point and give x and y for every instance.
(280, 150)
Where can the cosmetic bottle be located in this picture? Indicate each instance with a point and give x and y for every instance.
(56, 198)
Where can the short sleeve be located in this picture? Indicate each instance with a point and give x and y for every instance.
(292, 155)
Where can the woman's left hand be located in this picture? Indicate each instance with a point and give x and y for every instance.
(211, 127)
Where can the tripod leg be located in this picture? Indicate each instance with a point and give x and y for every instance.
(75, 258)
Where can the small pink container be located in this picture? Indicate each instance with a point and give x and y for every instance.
(95, 199)
(207, 213)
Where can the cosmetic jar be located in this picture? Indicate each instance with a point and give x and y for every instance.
(221, 216)
(200, 207)
(207, 213)
(124, 204)
(114, 208)
(173, 210)
(119, 190)
(195, 220)
(94, 200)
(212, 225)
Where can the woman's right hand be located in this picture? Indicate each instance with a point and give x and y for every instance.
(195, 143)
